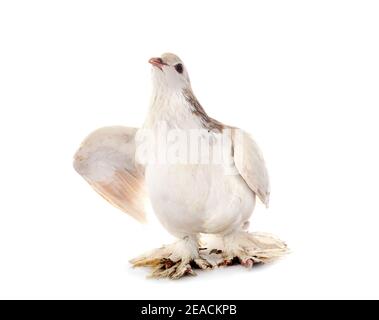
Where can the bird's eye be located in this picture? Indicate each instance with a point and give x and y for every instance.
(179, 68)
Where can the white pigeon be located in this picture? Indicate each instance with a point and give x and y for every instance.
(191, 198)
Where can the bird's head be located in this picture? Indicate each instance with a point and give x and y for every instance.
(169, 71)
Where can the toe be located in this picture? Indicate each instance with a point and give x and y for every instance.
(182, 269)
(226, 262)
(203, 264)
(247, 262)
(167, 263)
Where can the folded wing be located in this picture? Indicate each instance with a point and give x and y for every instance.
(250, 164)
(106, 160)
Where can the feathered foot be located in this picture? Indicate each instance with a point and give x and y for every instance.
(173, 261)
(251, 248)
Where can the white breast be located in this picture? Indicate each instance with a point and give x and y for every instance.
(198, 198)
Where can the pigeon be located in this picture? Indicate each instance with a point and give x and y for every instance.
(201, 177)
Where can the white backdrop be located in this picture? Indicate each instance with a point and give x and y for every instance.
(301, 76)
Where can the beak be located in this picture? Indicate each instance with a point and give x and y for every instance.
(157, 62)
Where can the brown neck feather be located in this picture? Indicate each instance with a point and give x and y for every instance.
(196, 108)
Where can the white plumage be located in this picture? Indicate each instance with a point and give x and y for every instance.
(189, 197)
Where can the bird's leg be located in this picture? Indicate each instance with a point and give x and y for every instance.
(251, 248)
(175, 260)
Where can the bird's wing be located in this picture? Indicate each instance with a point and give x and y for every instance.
(250, 164)
(106, 160)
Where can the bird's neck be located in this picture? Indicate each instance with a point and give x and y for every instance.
(173, 107)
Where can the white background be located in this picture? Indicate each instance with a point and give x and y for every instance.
(301, 76)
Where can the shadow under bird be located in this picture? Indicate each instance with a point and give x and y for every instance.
(190, 198)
